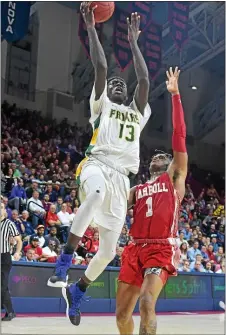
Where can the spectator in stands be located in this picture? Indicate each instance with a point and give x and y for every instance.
(59, 204)
(52, 218)
(71, 197)
(65, 220)
(17, 196)
(88, 258)
(40, 235)
(211, 255)
(16, 172)
(34, 244)
(51, 193)
(29, 257)
(128, 218)
(205, 257)
(34, 187)
(185, 266)
(46, 203)
(52, 237)
(212, 192)
(18, 222)
(117, 259)
(184, 251)
(214, 244)
(220, 255)
(188, 193)
(198, 267)
(198, 258)
(10, 181)
(209, 267)
(187, 232)
(35, 206)
(123, 238)
(221, 235)
(29, 230)
(222, 267)
(193, 251)
(181, 239)
(8, 210)
(195, 221)
(93, 246)
(48, 253)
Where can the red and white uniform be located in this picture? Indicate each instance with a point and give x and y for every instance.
(154, 231)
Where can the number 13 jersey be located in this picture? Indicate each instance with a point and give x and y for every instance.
(116, 131)
(156, 210)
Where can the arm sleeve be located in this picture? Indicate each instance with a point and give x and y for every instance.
(143, 118)
(97, 106)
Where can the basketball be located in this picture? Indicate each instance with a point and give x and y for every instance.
(104, 10)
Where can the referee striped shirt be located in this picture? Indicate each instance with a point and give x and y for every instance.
(8, 229)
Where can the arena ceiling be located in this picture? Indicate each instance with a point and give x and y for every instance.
(205, 49)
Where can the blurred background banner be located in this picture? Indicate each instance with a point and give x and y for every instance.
(152, 48)
(143, 8)
(14, 19)
(178, 19)
(83, 34)
(121, 45)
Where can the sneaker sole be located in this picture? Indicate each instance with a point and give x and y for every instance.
(59, 284)
(222, 305)
(64, 293)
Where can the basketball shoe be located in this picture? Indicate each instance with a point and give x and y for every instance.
(73, 297)
(60, 277)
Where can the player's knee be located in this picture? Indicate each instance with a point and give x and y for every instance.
(105, 256)
(147, 305)
(109, 255)
(122, 317)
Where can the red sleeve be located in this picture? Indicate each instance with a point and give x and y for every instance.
(179, 127)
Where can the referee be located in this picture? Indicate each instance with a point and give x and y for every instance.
(8, 229)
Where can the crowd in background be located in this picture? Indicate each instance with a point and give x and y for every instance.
(38, 163)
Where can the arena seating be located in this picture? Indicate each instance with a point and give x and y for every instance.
(39, 160)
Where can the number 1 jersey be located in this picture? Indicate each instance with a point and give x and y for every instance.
(116, 131)
(156, 210)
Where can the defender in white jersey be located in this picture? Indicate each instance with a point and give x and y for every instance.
(113, 154)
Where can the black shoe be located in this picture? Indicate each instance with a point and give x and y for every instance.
(9, 316)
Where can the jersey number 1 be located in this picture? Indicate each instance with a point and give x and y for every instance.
(149, 204)
(130, 136)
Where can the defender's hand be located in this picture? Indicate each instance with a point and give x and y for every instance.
(133, 27)
(172, 82)
(87, 13)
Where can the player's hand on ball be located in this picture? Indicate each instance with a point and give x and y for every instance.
(87, 13)
(133, 27)
(172, 82)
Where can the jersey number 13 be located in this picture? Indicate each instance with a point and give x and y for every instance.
(129, 136)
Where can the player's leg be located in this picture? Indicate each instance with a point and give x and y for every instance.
(93, 184)
(126, 299)
(74, 293)
(155, 279)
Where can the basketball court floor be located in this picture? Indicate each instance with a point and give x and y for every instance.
(178, 323)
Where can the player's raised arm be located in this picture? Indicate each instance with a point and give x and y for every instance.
(178, 168)
(96, 51)
(142, 89)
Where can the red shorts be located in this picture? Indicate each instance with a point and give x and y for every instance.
(136, 258)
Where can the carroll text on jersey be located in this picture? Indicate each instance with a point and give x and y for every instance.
(151, 189)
